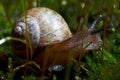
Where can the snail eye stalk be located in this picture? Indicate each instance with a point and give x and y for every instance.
(100, 29)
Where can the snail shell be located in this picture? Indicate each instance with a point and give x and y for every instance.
(44, 26)
(53, 28)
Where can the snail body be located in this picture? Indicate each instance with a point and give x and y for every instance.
(51, 38)
(63, 52)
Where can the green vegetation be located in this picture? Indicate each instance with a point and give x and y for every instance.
(103, 64)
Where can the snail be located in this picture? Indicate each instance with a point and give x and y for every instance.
(51, 39)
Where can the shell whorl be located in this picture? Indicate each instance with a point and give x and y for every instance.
(30, 24)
